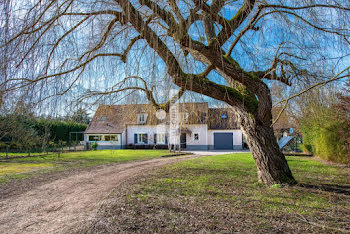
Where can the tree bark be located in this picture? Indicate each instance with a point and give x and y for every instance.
(271, 164)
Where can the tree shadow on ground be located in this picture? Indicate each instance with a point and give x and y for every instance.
(333, 188)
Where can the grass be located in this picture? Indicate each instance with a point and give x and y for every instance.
(221, 194)
(9, 155)
(26, 167)
(15, 168)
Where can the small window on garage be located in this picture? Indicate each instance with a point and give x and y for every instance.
(196, 136)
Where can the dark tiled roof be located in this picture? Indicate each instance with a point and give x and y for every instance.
(118, 116)
(115, 118)
(221, 118)
(197, 112)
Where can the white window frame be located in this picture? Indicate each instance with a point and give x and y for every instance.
(140, 138)
(194, 136)
(161, 138)
(142, 118)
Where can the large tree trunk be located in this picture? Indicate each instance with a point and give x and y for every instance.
(271, 164)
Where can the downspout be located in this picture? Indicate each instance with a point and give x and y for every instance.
(126, 135)
(121, 141)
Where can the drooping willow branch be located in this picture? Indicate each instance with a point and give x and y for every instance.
(317, 85)
(117, 88)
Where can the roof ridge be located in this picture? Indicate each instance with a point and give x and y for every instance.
(139, 104)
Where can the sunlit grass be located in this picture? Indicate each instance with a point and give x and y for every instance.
(14, 168)
(23, 167)
(3, 154)
(231, 181)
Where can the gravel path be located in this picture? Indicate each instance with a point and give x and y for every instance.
(57, 205)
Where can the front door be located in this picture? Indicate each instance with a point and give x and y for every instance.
(183, 140)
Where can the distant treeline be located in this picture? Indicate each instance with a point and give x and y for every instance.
(21, 131)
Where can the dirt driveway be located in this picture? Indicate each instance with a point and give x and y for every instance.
(55, 206)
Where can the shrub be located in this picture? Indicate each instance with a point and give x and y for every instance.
(94, 146)
(321, 135)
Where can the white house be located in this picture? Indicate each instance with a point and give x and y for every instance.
(141, 126)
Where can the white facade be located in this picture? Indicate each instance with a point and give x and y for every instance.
(198, 137)
(202, 131)
(104, 141)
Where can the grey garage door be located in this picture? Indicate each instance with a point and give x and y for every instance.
(223, 141)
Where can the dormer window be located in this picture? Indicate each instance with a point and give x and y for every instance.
(103, 119)
(142, 118)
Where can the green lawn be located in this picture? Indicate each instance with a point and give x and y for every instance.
(221, 194)
(25, 167)
(23, 154)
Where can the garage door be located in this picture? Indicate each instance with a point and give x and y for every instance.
(223, 141)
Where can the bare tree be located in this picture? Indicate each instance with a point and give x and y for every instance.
(241, 42)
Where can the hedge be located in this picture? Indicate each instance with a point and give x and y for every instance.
(20, 131)
(59, 130)
(322, 136)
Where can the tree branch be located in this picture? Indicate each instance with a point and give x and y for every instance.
(319, 84)
(186, 81)
(231, 26)
(306, 7)
(251, 25)
(268, 76)
(60, 73)
(148, 92)
(167, 17)
(173, 99)
(61, 38)
(128, 48)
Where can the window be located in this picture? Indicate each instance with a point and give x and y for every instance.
(111, 138)
(142, 118)
(196, 136)
(161, 138)
(94, 137)
(103, 119)
(142, 138)
(224, 116)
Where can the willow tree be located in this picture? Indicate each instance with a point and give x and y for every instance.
(55, 40)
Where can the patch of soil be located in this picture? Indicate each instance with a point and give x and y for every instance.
(122, 213)
(60, 201)
(136, 208)
(18, 186)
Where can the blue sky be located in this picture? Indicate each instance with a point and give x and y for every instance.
(254, 52)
